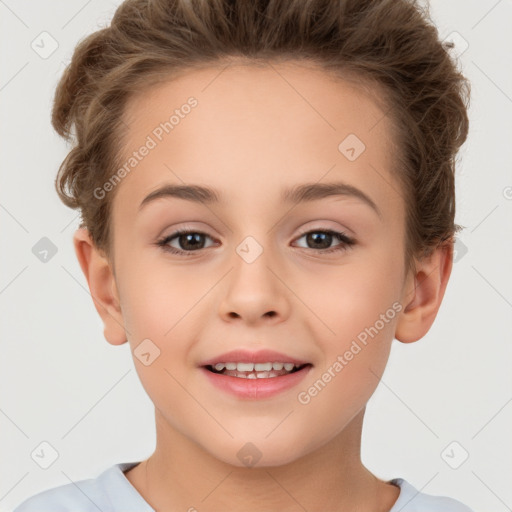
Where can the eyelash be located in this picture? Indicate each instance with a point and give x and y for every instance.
(346, 242)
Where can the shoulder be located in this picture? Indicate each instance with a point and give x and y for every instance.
(83, 496)
(412, 500)
(89, 495)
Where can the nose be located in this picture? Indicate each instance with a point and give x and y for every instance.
(256, 292)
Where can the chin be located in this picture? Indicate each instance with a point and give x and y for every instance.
(260, 453)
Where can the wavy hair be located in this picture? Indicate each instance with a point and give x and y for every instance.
(391, 46)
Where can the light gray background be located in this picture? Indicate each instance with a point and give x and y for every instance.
(62, 383)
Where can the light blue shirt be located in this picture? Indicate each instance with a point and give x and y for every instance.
(111, 491)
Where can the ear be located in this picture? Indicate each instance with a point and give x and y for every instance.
(102, 285)
(423, 294)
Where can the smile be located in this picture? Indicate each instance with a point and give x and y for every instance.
(255, 370)
(254, 374)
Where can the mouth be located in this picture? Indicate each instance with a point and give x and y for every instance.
(248, 374)
(266, 370)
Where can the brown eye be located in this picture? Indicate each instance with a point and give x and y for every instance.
(190, 241)
(323, 239)
(187, 241)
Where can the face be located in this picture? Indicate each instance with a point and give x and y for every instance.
(316, 278)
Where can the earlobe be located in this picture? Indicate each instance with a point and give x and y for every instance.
(423, 294)
(102, 286)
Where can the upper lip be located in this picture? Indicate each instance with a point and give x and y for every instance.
(251, 356)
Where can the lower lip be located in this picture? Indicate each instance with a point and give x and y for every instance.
(256, 388)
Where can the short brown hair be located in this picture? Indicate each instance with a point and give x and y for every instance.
(392, 44)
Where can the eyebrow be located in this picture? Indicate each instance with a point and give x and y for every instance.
(298, 194)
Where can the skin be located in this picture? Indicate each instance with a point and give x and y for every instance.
(263, 133)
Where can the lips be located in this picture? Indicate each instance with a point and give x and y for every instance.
(248, 356)
(254, 374)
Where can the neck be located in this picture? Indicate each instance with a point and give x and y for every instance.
(180, 475)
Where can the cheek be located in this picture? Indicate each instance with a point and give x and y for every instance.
(362, 319)
(163, 305)
(158, 306)
(352, 296)
(358, 307)
(158, 297)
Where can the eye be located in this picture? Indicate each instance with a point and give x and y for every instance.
(322, 239)
(189, 241)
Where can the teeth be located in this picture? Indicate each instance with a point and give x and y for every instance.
(254, 370)
(263, 367)
(245, 367)
(253, 375)
(267, 375)
(249, 367)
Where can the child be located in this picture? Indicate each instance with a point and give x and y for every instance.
(254, 131)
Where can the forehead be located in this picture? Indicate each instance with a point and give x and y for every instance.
(257, 127)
